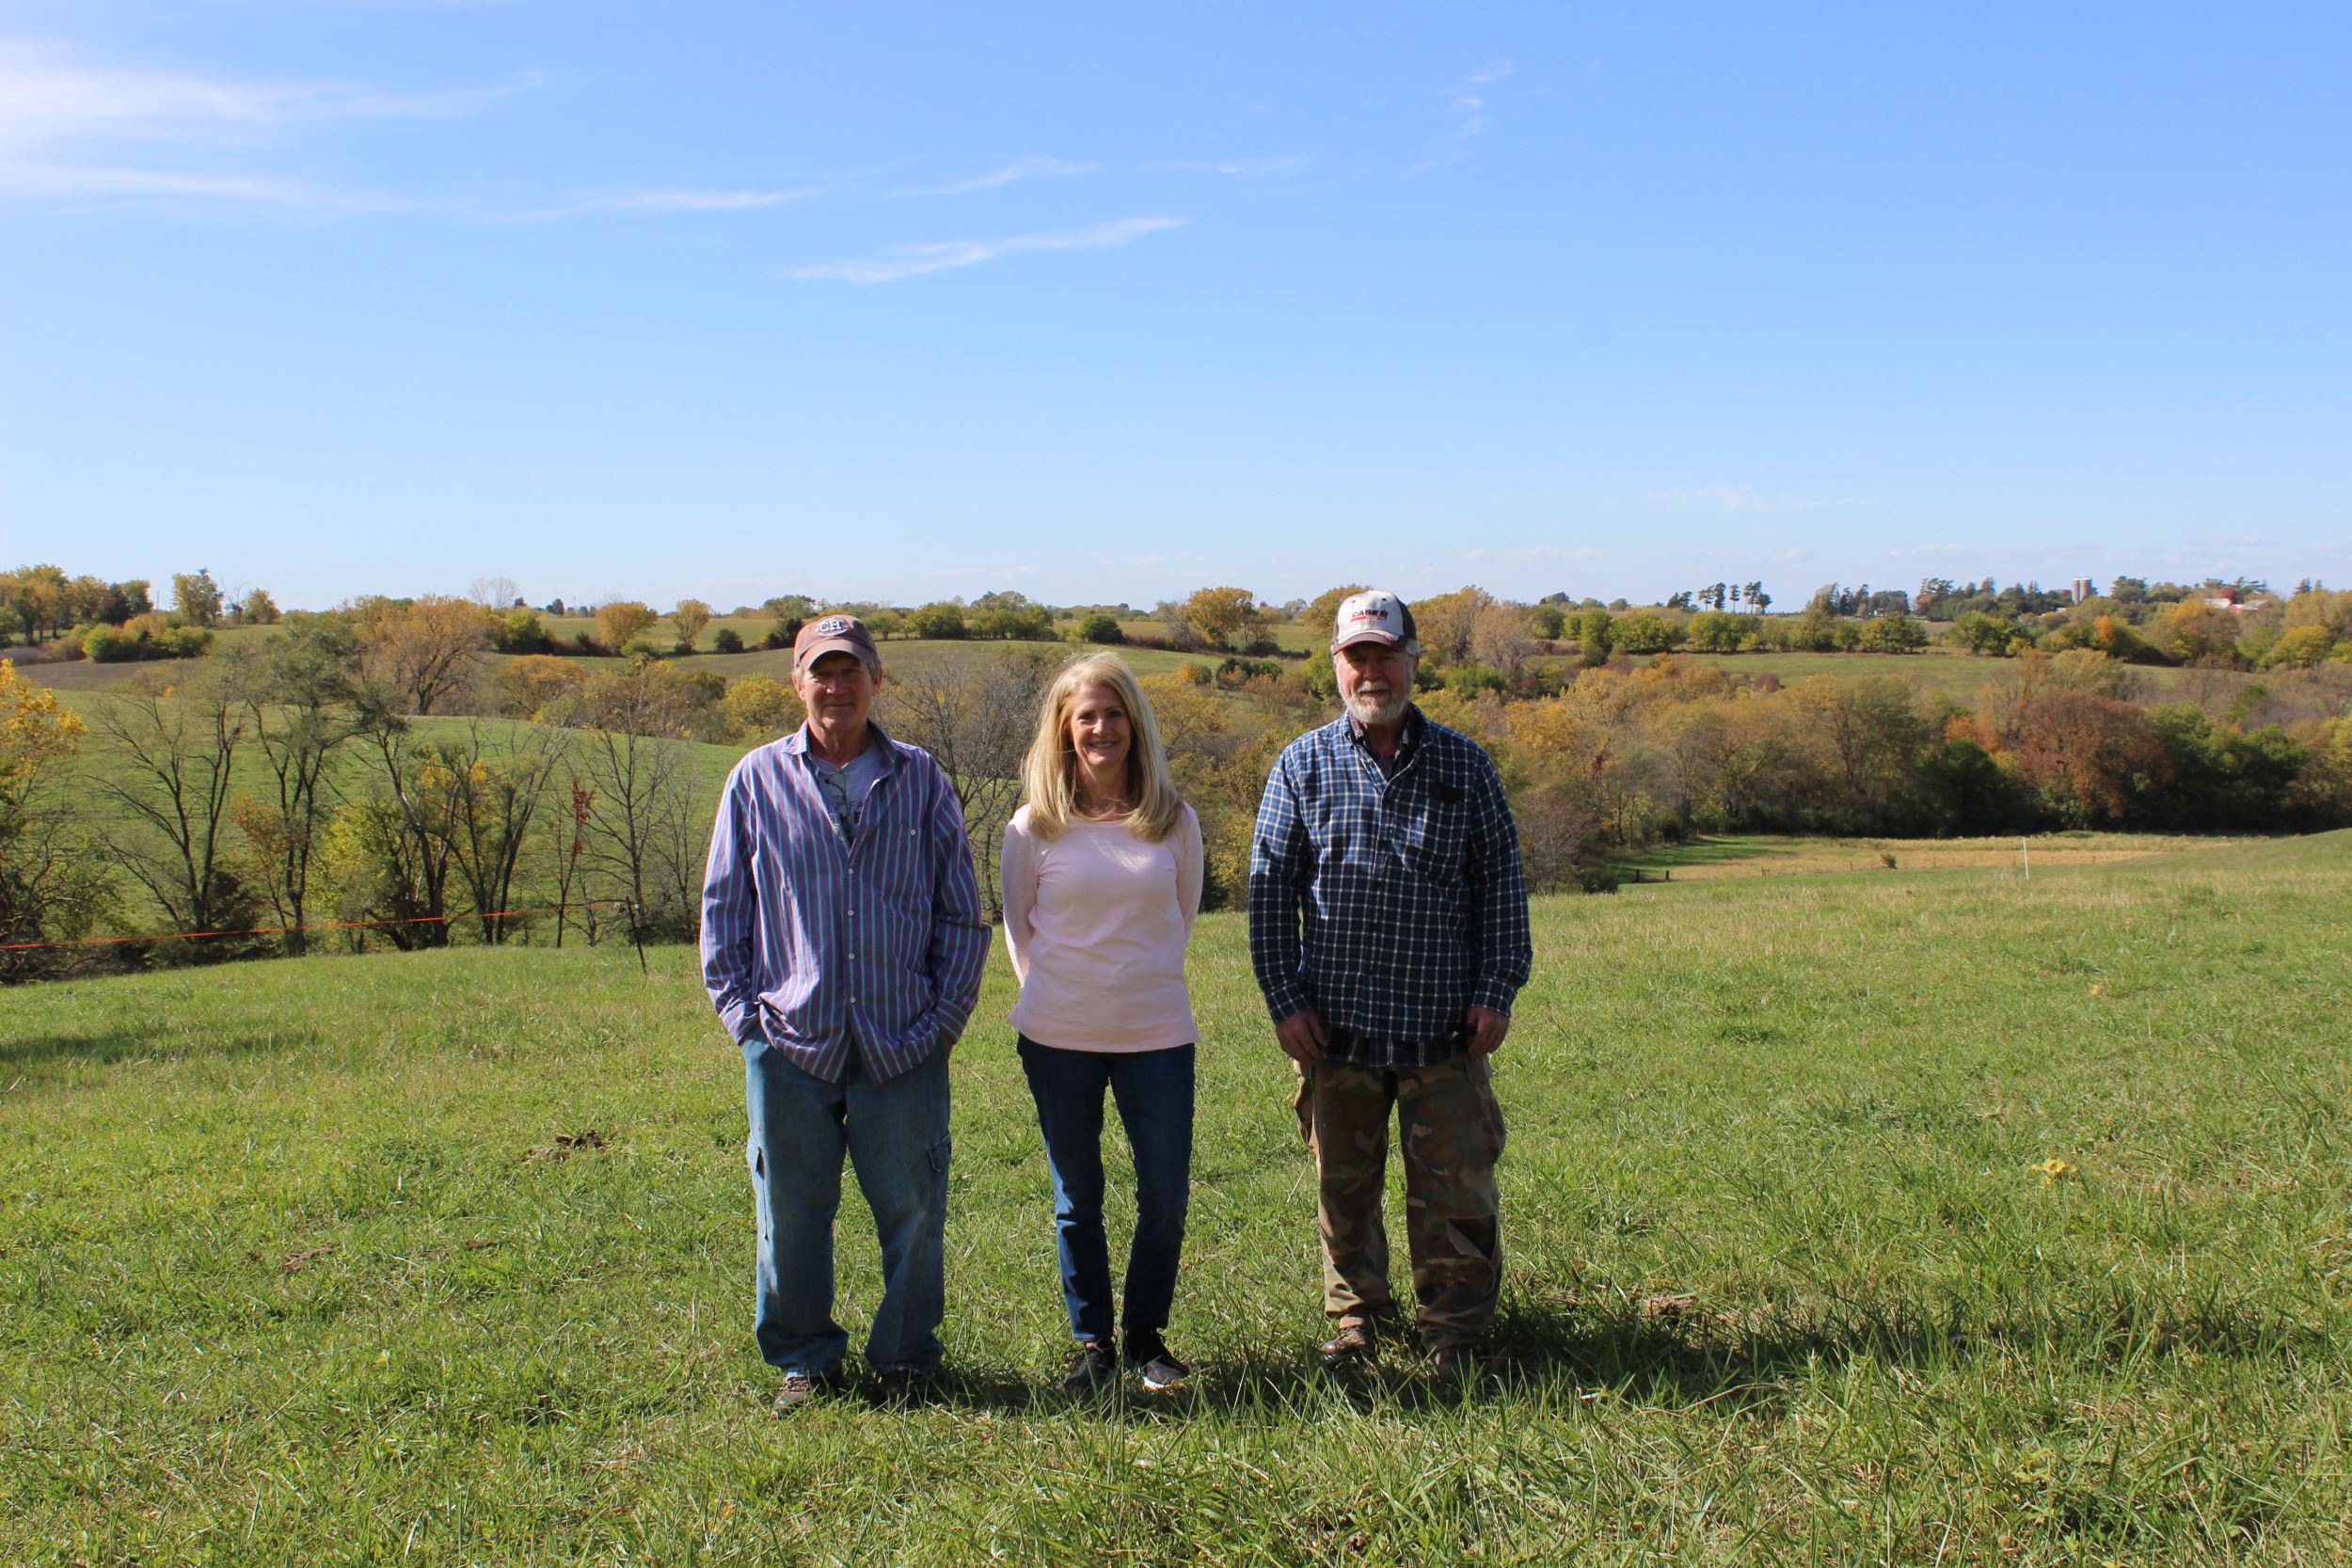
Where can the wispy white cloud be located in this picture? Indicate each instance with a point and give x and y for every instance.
(1033, 166)
(1235, 168)
(669, 201)
(913, 260)
(1742, 497)
(70, 128)
(1472, 115)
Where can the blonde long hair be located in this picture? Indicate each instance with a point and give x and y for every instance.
(1049, 774)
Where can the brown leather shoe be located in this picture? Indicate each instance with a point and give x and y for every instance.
(1354, 1345)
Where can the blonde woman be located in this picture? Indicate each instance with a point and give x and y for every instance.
(1102, 880)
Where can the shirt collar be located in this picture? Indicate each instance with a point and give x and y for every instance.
(877, 741)
(1415, 726)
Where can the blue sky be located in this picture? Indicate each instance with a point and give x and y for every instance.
(1104, 303)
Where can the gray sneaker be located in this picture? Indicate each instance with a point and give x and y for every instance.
(1149, 1354)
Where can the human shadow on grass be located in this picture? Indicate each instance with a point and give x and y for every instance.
(1668, 1352)
(107, 1045)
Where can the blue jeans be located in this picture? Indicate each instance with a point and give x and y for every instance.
(1154, 1091)
(896, 1135)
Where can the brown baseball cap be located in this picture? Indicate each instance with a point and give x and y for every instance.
(833, 634)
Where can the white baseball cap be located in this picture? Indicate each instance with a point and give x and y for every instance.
(1374, 615)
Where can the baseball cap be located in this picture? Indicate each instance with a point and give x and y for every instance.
(831, 634)
(1374, 615)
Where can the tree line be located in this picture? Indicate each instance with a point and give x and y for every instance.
(379, 764)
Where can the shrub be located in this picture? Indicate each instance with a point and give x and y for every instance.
(1897, 633)
(1718, 631)
(526, 686)
(1469, 680)
(1100, 628)
(760, 707)
(1593, 629)
(2301, 647)
(727, 640)
(942, 618)
(1988, 636)
(518, 631)
(148, 636)
(1645, 632)
(1235, 672)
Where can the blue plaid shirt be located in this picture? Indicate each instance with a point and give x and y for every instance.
(816, 944)
(1389, 904)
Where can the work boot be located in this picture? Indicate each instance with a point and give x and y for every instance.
(1354, 1345)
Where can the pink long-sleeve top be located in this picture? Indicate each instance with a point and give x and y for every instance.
(1096, 921)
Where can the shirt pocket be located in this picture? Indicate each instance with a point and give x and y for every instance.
(1431, 830)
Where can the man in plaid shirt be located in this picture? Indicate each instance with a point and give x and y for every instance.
(1388, 926)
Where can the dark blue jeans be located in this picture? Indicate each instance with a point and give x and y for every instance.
(1154, 1091)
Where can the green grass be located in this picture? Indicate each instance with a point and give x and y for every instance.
(297, 1266)
(900, 655)
(1720, 855)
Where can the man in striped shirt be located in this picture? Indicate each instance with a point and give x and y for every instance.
(842, 944)
(1388, 926)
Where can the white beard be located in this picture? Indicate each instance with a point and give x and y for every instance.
(1370, 711)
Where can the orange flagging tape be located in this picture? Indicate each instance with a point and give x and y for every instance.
(328, 926)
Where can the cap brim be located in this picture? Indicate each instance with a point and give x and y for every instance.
(830, 645)
(1380, 637)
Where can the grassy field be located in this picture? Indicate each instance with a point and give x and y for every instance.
(1890, 1217)
(901, 655)
(1723, 855)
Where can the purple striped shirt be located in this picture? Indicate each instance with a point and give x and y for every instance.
(815, 945)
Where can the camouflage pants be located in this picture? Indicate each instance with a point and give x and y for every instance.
(1452, 1131)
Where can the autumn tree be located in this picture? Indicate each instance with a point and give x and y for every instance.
(975, 719)
(299, 696)
(760, 707)
(1593, 636)
(1224, 617)
(1500, 638)
(2195, 632)
(1322, 612)
(1448, 622)
(2089, 755)
(491, 784)
(689, 618)
(647, 832)
(425, 653)
(622, 622)
(51, 885)
(197, 596)
(1868, 732)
